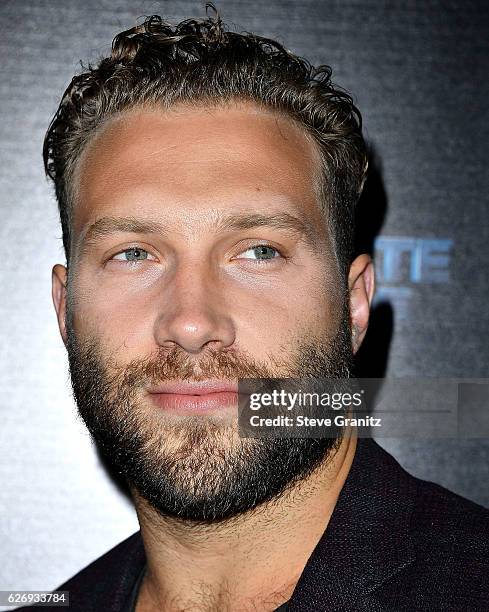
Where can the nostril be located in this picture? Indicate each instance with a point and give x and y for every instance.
(194, 330)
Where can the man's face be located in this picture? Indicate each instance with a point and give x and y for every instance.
(199, 254)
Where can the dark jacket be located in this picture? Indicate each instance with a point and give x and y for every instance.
(394, 542)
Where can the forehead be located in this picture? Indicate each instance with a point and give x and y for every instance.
(200, 158)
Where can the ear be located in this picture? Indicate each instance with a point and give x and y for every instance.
(361, 284)
(59, 279)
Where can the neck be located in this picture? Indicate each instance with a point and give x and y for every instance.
(232, 565)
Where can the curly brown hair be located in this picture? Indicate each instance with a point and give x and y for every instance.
(202, 62)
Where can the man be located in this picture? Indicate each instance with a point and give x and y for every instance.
(206, 183)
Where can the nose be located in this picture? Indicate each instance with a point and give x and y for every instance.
(193, 313)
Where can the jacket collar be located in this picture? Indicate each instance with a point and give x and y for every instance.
(367, 539)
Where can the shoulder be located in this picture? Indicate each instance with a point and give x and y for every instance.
(122, 560)
(431, 512)
(450, 531)
(106, 583)
(449, 536)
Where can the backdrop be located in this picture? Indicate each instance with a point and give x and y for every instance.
(418, 71)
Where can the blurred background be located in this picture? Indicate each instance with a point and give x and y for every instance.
(418, 71)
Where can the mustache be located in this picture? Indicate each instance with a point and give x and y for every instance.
(177, 364)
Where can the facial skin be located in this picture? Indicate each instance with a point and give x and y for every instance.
(195, 191)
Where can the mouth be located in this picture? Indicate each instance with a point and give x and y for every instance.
(188, 397)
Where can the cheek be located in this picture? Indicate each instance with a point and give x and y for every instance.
(118, 314)
(280, 314)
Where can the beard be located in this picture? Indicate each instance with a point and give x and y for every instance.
(197, 468)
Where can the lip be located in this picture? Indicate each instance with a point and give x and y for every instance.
(203, 387)
(186, 397)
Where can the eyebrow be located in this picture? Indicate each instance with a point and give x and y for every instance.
(284, 221)
(107, 226)
(112, 225)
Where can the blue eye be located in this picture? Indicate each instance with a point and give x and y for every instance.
(261, 252)
(132, 254)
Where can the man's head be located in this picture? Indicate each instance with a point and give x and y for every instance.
(206, 183)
